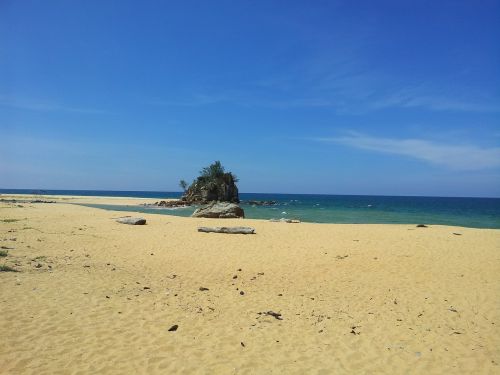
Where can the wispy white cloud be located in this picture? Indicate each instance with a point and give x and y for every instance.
(458, 157)
(426, 100)
(44, 105)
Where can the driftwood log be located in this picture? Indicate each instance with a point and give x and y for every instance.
(132, 220)
(228, 230)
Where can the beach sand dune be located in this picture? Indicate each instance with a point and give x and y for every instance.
(94, 296)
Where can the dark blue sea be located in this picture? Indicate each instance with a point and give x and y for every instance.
(363, 209)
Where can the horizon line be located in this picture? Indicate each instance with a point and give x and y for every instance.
(325, 194)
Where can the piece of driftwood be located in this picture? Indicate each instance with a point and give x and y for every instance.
(228, 230)
(132, 220)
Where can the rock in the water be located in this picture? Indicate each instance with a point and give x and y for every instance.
(228, 230)
(213, 186)
(168, 204)
(132, 220)
(223, 210)
(261, 203)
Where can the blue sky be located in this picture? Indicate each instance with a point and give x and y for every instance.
(334, 97)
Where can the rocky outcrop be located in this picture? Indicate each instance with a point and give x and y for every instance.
(224, 210)
(222, 189)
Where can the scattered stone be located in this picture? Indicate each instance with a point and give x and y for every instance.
(242, 344)
(169, 204)
(285, 220)
(173, 328)
(276, 315)
(203, 289)
(235, 276)
(457, 234)
(39, 265)
(146, 288)
(242, 293)
(227, 230)
(223, 210)
(422, 226)
(132, 220)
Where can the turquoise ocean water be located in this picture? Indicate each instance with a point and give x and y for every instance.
(467, 212)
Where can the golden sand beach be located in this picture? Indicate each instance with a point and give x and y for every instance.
(93, 296)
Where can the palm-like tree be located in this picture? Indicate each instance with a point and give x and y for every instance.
(183, 184)
(213, 171)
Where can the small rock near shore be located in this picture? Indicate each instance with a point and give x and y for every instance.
(224, 210)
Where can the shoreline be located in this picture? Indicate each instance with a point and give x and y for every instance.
(127, 204)
(124, 203)
(82, 199)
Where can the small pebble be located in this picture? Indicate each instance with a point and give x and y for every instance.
(173, 328)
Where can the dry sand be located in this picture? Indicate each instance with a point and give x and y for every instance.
(97, 297)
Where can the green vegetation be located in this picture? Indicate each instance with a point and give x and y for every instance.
(5, 268)
(216, 172)
(4, 253)
(9, 220)
(184, 185)
(213, 184)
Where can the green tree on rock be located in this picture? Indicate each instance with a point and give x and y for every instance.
(213, 184)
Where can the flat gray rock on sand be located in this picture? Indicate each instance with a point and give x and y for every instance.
(132, 220)
(224, 210)
(228, 230)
